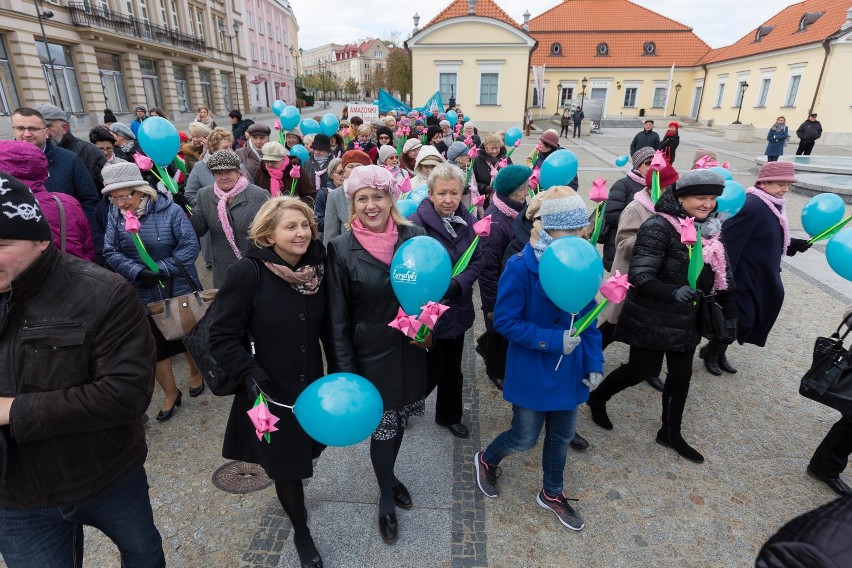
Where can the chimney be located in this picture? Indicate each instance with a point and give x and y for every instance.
(472, 10)
(848, 23)
(527, 21)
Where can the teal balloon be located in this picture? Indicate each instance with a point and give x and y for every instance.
(159, 140)
(278, 107)
(732, 199)
(838, 252)
(465, 118)
(340, 409)
(559, 168)
(724, 172)
(329, 124)
(512, 135)
(622, 161)
(407, 206)
(375, 101)
(419, 193)
(452, 117)
(290, 118)
(570, 271)
(821, 212)
(420, 273)
(300, 152)
(310, 126)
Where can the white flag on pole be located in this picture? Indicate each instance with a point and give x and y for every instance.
(668, 90)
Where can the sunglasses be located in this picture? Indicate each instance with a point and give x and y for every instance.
(647, 162)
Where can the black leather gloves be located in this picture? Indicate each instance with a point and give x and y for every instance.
(149, 278)
(685, 294)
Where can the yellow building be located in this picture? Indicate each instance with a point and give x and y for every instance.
(474, 53)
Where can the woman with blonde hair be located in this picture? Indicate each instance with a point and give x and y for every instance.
(195, 150)
(205, 117)
(276, 295)
(201, 176)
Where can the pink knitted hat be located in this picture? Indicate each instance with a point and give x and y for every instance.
(777, 171)
(370, 176)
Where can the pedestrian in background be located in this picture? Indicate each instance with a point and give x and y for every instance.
(577, 117)
(565, 122)
(808, 132)
(670, 142)
(239, 128)
(646, 137)
(777, 139)
(251, 153)
(141, 114)
(204, 116)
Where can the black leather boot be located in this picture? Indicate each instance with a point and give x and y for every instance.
(615, 382)
(669, 434)
(724, 364)
(710, 354)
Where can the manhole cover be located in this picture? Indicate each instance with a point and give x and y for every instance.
(240, 477)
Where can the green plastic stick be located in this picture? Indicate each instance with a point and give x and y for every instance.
(590, 317)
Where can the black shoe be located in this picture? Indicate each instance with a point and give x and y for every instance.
(164, 415)
(725, 365)
(208, 266)
(458, 430)
(401, 497)
(388, 528)
(579, 443)
(711, 359)
(837, 485)
(671, 438)
(498, 382)
(481, 342)
(307, 551)
(599, 415)
(655, 383)
(196, 391)
(145, 418)
(403, 421)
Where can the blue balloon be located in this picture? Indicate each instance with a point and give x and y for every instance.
(622, 161)
(821, 212)
(300, 152)
(290, 118)
(512, 135)
(278, 107)
(571, 271)
(731, 201)
(838, 252)
(452, 117)
(420, 273)
(339, 409)
(407, 206)
(559, 168)
(419, 193)
(329, 124)
(724, 172)
(375, 101)
(310, 126)
(159, 139)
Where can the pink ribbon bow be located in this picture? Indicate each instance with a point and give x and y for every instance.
(408, 325)
(483, 227)
(615, 287)
(599, 191)
(473, 152)
(131, 222)
(687, 231)
(659, 161)
(431, 312)
(263, 420)
(144, 162)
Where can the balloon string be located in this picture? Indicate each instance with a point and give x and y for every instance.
(562, 356)
(269, 398)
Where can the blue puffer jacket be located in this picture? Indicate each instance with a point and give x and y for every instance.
(68, 174)
(535, 327)
(167, 235)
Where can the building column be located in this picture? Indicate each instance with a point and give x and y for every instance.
(132, 81)
(89, 78)
(194, 80)
(30, 78)
(216, 92)
(168, 88)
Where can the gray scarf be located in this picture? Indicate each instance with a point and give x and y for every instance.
(448, 224)
(544, 241)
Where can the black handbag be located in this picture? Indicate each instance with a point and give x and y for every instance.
(197, 343)
(711, 319)
(829, 380)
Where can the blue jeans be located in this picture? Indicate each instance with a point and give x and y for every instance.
(53, 536)
(523, 435)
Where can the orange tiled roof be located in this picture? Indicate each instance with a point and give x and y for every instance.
(484, 8)
(786, 32)
(602, 15)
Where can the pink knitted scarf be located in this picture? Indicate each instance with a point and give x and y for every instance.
(275, 177)
(222, 210)
(645, 199)
(779, 209)
(713, 252)
(379, 245)
(636, 177)
(501, 206)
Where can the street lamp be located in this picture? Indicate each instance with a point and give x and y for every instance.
(323, 66)
(42, 16)
(743, 87)
(677, 90)
(233, 63)
(583, 83)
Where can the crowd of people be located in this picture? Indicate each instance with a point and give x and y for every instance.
(300, 254)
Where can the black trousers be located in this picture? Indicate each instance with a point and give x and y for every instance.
(646, 363)
(564, 132)
(443, 371)
(496, 347)
(805, 147)
(607, 331)
(577, 128)
(832, 455)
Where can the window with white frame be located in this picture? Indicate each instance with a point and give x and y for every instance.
(8, 93)
(253, 51)
(250, 20)
(263, 55)
(181, 86)
(164, 17)
(448, 85)
(174, 10)
(378, 54)
(720, 94)
(151, 82)
(565, 95)
(793, 89)
(219, 24)
(763, 93)
(60, 75)
(143, 9)
(659, 97)
(199, 22)
(260, 26)
(536, 100)
(112, 81)
(630, 96)
(738, 96)
(489, 84)
(206, 92)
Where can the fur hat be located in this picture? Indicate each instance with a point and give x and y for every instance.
(777, 171)
(370, 176)
(550, 139)
(433, 130)
(564, 213)
(22, 218)
(259, 130)
(510, 178)
(384, 130)
(121, 175)
(273, 152)
(386, 152)
(456, 149)
(356, 156)
(52, 112)
(322, 143)
(641, 155)
(411, 144)
(224, 160)
(699, 182)
(122, 130)
(668, 176)
(199, 129)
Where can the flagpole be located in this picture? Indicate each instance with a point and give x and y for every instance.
(668, 91)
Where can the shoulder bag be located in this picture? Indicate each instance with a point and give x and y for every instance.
(176, 316)
(829, 380)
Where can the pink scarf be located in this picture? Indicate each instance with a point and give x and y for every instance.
(636, 177)
(502, 207)
(494, 171)
(275, 177)
(222, 210)
(318, 178)
(779, 209)
(713, 252)
(645, 199)
(379, 245)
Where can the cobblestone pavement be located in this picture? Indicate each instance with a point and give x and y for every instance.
(643, 505)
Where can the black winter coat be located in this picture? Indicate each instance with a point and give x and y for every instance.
(643, 139)
(650, 318)
(91, 156)
(287, 327)
(669, 146)
(482, 169)
(620, 194)
(821, 538)
(493, 248)
(360, 304)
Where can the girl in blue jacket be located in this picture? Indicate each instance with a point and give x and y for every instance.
(538, 333)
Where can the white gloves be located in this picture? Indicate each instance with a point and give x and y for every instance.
(569, 343)
(593, 380)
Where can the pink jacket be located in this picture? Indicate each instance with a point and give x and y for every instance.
(27, 163)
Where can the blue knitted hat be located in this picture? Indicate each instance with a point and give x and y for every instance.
(510, 178)
(565, 214)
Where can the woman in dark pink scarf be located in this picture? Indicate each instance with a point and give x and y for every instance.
(27, 163)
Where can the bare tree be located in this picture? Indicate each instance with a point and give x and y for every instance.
(398, 75)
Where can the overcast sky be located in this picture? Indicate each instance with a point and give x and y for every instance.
(717, 22)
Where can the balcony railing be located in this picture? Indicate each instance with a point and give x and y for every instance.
(87, 15)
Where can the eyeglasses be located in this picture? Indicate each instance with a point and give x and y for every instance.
(122, 199)
(30, 129)
(105, 150)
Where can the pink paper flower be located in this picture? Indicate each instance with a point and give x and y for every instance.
(478, 201)
(144, 162)
(468, 140)
(357, 146)
(687, 231)
(431, 312)
(277, 124)
(534, 178)
(615, 287)
(295, 172)
(474, 152)
(405, 185)
(599, 191)
(538, 147)
(131, 222)
(503, 163)
(483, 227)
(263, 420)
(701, 164)
(409, 325)
(517, 143)
(659, 161)
(726, 165)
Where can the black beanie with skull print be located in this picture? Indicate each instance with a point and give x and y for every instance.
(21, 219)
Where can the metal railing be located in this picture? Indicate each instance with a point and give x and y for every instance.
(85, 14)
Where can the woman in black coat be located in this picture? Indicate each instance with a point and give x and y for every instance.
(361, 303)
(670, 142)
(660, 314)
(276, 294)
(487, 164)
